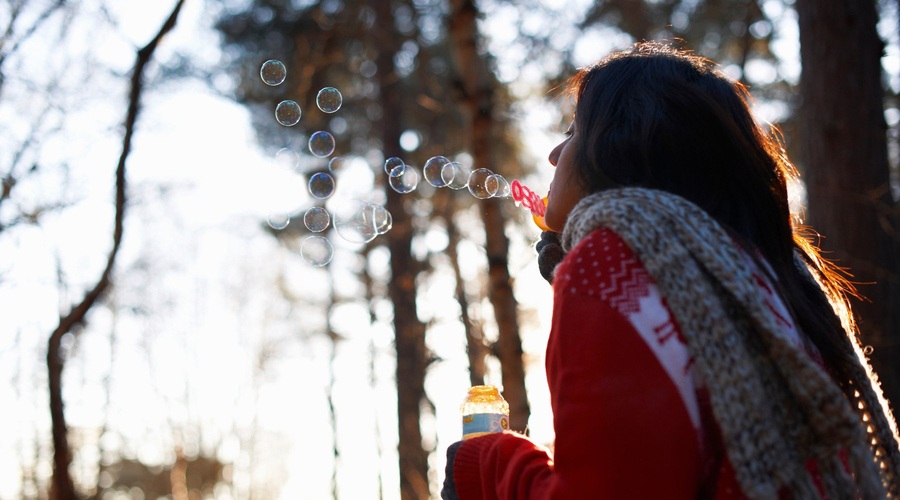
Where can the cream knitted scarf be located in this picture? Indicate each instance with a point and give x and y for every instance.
(776, 407)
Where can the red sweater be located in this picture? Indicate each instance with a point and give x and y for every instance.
(630, 417)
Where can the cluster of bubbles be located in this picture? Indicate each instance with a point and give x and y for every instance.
(482, 182)
(354, 220)
(440, 172)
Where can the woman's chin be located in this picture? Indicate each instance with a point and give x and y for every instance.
(551, 222)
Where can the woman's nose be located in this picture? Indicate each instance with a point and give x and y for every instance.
(554, 155)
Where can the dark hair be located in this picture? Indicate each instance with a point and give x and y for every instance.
(657, 117)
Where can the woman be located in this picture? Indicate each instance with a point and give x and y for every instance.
(700, 346)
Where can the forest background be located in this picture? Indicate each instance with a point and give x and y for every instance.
(159, 337)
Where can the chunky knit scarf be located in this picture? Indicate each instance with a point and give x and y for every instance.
(776, 407)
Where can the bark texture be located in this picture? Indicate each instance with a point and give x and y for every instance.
(844, 147)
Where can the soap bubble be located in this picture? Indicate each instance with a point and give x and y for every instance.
(321, 185)
(455, 175)
(329, 99)
(273, 72)
(382, 219)
(317, 250)
(356, 230)
(337, 164)
(278, 220)
(321, 144)
(477, 183)
(432, 170)
(316, 219)
(287, 158)
(360, 222)
(404, 179)
(498, 186)
(392, 163)
(287, 113)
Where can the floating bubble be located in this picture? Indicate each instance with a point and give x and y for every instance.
(273, 72)
(316, 219)
(360, 222)
(278, 220)
(382, 219)
(455, 175)
(321, 144)
(287, 113)
(329, 99)
(432, 170)
(321, 185)
(498, 186)
(392, 163)
(287, 158)
(404, 179)
(317, 251)
(477, 183)
(337, 164)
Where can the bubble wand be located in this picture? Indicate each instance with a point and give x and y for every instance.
(530, 200)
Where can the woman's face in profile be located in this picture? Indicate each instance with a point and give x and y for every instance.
(565, 189)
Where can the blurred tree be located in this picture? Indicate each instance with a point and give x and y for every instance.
(54, 86)
(20, 165)
(409, 330)
(476, 346)
(390, 60)
(477, 88)
(351, 48)
(22, 22)
(70, 322)
(727, 31)
(738, 34)
(848, 173)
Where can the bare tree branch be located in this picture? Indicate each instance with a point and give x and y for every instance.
(17, 171)
(41, 19)
(62, 487)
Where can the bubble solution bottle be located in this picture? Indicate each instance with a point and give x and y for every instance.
(484, 411)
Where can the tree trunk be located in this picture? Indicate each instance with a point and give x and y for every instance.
(62, 487)
(475, 346)
(412, 355)
(476, 87)
(845, 151)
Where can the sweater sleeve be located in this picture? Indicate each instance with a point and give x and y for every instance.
(621, 423)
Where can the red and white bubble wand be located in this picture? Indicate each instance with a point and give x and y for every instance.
(530, 200)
